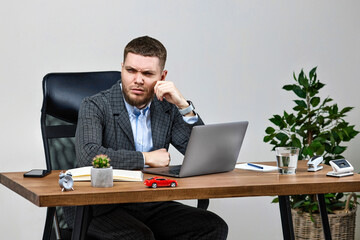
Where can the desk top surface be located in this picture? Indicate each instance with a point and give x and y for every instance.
(45, 192)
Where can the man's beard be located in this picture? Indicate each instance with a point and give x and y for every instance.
(149, 94)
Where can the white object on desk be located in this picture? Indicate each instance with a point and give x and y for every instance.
(83, 174)
(66, 182)
(341, 168)
(313, 164)
(259, 168)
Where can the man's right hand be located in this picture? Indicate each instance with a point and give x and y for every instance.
(157, 158)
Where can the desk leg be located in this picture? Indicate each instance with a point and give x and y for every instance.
(81, 222)
(286, 219)
(49, 222)
(324, 216)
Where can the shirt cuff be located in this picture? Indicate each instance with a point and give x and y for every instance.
(191, 120)
(143, 157)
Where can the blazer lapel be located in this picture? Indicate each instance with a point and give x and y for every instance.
(160, 122)
(120, 113)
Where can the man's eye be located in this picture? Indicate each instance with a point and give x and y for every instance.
(148, 74)
(130, 70)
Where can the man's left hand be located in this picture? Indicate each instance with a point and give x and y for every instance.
(167, 90)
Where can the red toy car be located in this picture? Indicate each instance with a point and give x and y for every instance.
(155, 182)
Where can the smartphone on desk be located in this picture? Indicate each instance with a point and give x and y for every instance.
(37, 173)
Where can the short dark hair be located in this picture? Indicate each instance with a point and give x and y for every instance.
(148, 47)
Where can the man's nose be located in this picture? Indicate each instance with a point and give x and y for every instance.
(139, 78)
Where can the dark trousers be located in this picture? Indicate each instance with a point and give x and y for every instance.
(158, 220)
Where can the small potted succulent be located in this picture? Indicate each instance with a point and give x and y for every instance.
(101, 172)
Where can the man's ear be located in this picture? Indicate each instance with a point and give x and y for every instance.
(163, 75)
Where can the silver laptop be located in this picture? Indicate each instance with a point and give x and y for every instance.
(212, 148)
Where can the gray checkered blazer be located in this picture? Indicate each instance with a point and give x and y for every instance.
(104, 128)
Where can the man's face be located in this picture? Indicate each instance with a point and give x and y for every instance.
(139, 75)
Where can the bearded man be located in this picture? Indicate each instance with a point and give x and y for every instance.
(134, 122)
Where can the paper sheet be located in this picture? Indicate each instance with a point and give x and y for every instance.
(83, 174)
(266, 168)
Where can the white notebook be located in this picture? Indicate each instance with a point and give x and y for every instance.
(83, 174)
(265, 168)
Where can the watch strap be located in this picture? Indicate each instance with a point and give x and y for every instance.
(188, 109)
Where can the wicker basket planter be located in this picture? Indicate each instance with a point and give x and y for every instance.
(342, 225)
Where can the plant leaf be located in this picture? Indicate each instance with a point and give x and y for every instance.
(289, 87)
(296, 142)
(339, 150)
(294, 76)
(338, 205)
(270, 130)
(308, 152)
(312, 72)
(299, 92)
(268, 138)
(329, 195)
(320, 120)
(299, 203)
(315, 101)
(315, 144)
(276, 120)
(320, 150)
(318, 85)
(345, 110)
(335, 109)
(304, 82)
(300, 103)
(339, 196)
(281, 136)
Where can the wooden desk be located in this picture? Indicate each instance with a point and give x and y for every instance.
(45, 192)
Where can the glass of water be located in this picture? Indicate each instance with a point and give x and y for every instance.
(287, 158)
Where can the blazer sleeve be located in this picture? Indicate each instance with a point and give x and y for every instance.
(180, 132)
(93, 115)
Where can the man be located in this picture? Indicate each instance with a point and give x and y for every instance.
(133, 123)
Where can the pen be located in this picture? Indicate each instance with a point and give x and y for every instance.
(253, 165)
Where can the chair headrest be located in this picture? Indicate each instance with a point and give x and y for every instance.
(64, 92)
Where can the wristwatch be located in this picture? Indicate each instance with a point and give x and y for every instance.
(188, 109)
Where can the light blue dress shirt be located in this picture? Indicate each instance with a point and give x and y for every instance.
(141, 126)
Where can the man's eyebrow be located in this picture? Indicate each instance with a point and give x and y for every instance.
(142, 71)
(148, 71)
(130, 67)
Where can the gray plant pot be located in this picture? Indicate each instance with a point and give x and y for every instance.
(102, 177)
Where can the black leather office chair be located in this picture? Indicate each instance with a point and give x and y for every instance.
(63, 94)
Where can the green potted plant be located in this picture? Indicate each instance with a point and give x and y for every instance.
(101, 172)
(317, 127)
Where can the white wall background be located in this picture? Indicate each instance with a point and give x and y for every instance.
(230, 57)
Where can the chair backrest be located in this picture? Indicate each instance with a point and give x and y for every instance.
(63, 94)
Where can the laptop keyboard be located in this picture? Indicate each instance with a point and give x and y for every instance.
(175, 170)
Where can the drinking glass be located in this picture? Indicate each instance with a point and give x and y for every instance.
(287, 158)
